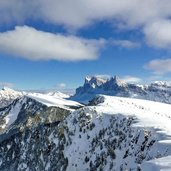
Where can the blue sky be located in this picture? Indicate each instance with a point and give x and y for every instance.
(55, 45)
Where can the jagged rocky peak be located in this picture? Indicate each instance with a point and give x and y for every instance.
(95, 81)
(116, 81)
(158, 91)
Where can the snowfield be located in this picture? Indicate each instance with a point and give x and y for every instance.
(150, 118)
(50, 100)
(149, 115)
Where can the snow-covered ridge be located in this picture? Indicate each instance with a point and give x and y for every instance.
(54, 100)
(8, 95)
(10, 114)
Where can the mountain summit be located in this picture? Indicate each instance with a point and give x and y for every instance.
(94, 81)
(7, 95)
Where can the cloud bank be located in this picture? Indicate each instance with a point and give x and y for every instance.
(125, 44)
(6, 84)
(32, 44)
(131, 79)
(152, 17)
(79, 13)
(61, 85)
(159, 66)
(158, 34)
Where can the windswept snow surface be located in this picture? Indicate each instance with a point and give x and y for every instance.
(58, 95)
(161, 164)
(49, 100)
(149, 115)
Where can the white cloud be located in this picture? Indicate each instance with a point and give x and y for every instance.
(6, 84)
(76, 14)
(158, 34)
(131, 79)
(103, 76)
(27, 42)
(79, 13)
(61, 85)
(159, 66)
(125, 44)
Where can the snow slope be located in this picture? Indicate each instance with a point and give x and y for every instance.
(58, 94)
(161, 164)
(149, 115)
(118, 133)
(50, 100)
(13, 114)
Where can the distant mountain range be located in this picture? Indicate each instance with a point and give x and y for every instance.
(158, 91)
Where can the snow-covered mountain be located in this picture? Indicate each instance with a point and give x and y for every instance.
(31, 103)
(157, 91)
(111, 133)
(7, 96)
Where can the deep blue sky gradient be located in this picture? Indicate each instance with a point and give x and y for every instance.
(113, 60)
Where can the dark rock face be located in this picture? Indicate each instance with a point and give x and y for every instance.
(33, 150)
(158, 91)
